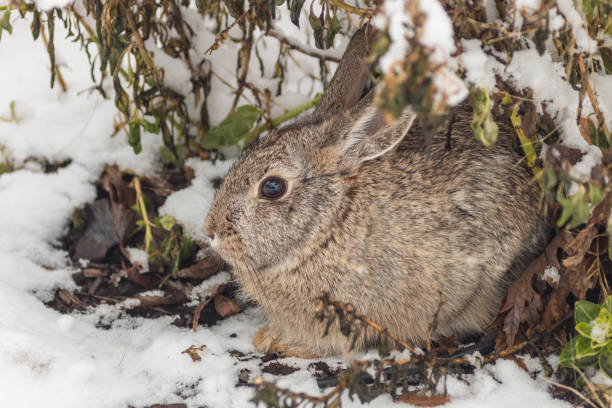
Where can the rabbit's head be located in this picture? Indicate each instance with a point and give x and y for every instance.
(286, 189)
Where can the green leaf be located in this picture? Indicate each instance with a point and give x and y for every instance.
(607, 304)
(5, 23)
(605, 363)
(166, 222)
(585, 311)
(296, 10)
(595, 194)
(122, 100)
(584, 329)
(35, 26)
(334, 28)
(232, 129)
(584, 351)
(150, 126)
(484, 127)
(317, 26)
(604, 317)
(575, 209)
(134, 136)
(168, 154)
(578, 352)
(185, 252)
(3, 168)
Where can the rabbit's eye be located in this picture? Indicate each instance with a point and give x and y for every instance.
(272, 188)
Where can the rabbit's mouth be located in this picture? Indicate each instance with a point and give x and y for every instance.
(231, 250)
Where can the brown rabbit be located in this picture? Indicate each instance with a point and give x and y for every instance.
(344, 203)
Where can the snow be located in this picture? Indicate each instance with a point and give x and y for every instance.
(437, 36)
(190, 205)
(55, 360)
(551, 274)
(139, 258)
(599, 331)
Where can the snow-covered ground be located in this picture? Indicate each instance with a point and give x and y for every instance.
(54, 360)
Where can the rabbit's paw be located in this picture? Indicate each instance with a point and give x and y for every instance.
(265, 342)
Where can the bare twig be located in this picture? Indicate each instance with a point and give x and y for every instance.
(300, 48)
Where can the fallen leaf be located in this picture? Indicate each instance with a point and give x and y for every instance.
(276, 368)
(522, 303)
(226, 306)
(173, 297)
(421, 400)
(193, 352)
(203, 269)
(98, 236)
(135, 276)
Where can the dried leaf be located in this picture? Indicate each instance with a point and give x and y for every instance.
(192, 352)
(173, 297)
(523, 303)
(420, 400)
(135, 276)
(98, 236)
(203, 269)
(225, 306)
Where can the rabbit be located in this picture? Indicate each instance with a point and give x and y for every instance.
(342, 202)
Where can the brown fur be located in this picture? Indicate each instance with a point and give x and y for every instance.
(380, 233)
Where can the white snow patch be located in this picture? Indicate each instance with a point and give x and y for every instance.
(480, 69)
(139, 258)
(599, 331)
(190, 205)
(551, 274)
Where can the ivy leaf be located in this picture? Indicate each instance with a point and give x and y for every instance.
(584, 329)
(585, 311)
(578, 352)
(607, 304)
(232, 129)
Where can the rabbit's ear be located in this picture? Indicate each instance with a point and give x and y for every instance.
(372, 137)
(351, 77)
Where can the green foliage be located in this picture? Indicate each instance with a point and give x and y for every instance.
(5, 23)
(593, 345)
(166, 222)
(483, 124)
(232, 129)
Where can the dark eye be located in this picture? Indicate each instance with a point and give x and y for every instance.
(272, 188)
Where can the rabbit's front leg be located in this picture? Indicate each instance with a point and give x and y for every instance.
(266, 341)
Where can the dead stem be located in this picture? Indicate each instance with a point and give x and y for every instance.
(352, 9)
(297, 47)
(573, 391)
(55, 67)
(592, 97)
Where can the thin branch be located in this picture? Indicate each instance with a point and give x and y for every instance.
(300, 48)
(282, 118)
(367, 13)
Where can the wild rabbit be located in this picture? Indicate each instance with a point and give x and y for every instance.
(344, 203)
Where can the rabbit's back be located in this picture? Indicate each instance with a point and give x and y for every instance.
(456, 217)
